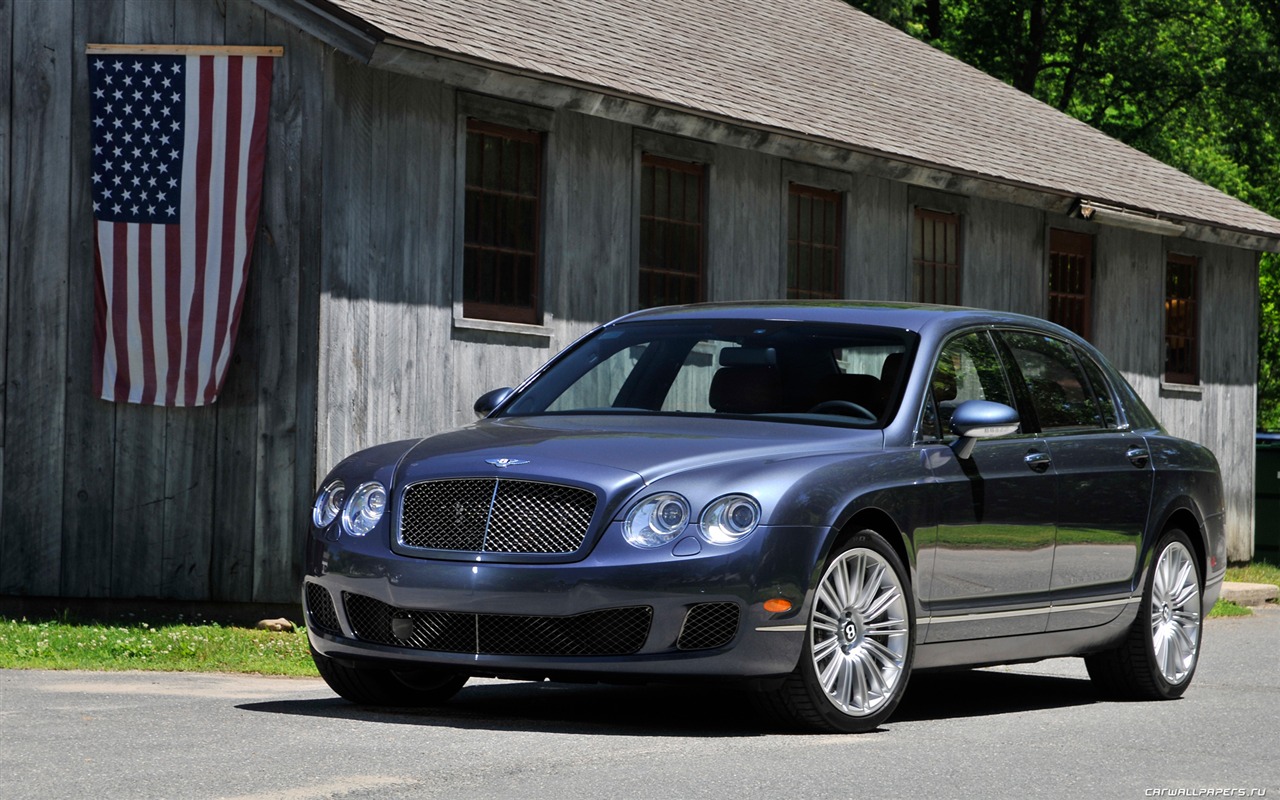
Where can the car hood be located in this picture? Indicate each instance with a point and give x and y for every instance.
(613, 451)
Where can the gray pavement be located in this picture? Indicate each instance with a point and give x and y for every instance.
(1007, 732)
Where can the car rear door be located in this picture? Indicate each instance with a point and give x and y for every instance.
(1103, 472)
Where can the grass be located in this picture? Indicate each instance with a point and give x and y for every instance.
(209, 647)
(168, 648)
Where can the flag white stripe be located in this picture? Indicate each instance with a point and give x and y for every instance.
(159, 331)
(133, 329)
(107, 251)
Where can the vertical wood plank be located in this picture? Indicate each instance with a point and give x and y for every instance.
(879, 263)
(35, 403)
(140, 466)
(236, 483)
(743, 235)
(89, 477)
(190, 433)
(6, 126)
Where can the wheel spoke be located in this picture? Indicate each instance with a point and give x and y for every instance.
(870, 587)
(823, 649)
(887, 597)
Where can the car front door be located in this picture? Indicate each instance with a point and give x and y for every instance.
(987, 571)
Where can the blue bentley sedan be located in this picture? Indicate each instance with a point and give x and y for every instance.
(815, 500)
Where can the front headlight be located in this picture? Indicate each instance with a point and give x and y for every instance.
(364, 509)
(328, 504)
(729, 518)
(656, 520)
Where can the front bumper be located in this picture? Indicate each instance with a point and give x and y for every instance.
(366, 603)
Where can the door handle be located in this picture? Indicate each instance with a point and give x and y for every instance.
(1037, 461)
(1138, 456)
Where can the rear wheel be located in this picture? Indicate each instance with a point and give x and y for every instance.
(859, 642)
(1158, 658)
(374, 686)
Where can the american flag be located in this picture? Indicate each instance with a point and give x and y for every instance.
(178, 149)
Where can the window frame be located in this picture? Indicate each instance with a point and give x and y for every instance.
(685, 167)
(1188, 377)
(919, 264)
(1071, 245)
(481, 309)
(800, 192)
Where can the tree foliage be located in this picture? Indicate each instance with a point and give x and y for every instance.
(1194, 83)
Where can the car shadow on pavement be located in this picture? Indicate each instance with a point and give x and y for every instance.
(703, 711)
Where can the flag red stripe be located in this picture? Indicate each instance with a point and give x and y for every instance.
(173, 309)
(204, 168)
(145, 315)
(99, 317)
(120, 303)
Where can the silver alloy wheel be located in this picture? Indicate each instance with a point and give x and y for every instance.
(859, 631)
(1175, 613)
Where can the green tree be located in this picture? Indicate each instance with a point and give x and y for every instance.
(1193, 83)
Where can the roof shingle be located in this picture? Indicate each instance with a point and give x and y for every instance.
(819, 68)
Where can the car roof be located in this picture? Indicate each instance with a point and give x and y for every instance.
(917, 317)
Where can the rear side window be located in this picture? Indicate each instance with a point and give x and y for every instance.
(1056, 382)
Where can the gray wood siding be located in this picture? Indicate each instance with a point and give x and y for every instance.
(125, 500)
(1129, 328)
(351, 331)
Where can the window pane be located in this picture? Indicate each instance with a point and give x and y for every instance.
(813, 237)
(1055, 382)
(671, 232)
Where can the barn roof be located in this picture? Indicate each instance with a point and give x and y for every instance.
(815, 68)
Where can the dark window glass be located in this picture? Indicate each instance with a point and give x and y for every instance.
(1181, 320)
(813, 244)
(936, 256)
(968, 368)
(1055, 381)
(1101, 390)
(672, 231)
(502, 222)
(1070, 280)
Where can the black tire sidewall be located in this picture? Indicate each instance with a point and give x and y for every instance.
(833, 717)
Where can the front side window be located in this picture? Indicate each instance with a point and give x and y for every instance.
(813, 244)
(1060, 393)
(968, 368)
(502, 219)
(1181, 320)
(1071, 280)
(936, 257)
(672, 232)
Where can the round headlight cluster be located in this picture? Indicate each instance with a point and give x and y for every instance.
(328, 504)
(660, 518)
(366, 506)
(656, 520)
(729, 518)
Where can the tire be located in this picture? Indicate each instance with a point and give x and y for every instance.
(373, 686)
(1158, 658)
(859, 643)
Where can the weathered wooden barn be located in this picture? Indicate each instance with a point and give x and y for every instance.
(648, 151)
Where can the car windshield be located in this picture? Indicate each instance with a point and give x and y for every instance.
(804, 372)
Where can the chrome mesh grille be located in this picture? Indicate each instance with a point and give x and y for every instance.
(613, 632)
(496, 515)
(709, 625)
(320, 610)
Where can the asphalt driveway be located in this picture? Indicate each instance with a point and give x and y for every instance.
(1015, 732)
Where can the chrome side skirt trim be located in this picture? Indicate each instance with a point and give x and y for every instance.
(782, 628)
(1026, 612)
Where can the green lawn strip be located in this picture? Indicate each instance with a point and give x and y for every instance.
(167, 648)
(1255, 572)
(1226, 608)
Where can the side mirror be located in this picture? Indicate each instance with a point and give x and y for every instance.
(490, 401)
(980, 419)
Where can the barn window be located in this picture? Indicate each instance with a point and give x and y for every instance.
(813, 244)
(1070, 280)
(672, 231)
(1181, 320)
(503, 221)
(936, 256)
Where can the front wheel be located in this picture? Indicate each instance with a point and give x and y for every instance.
(859, 642)
(1159, 656)
(371, 686)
